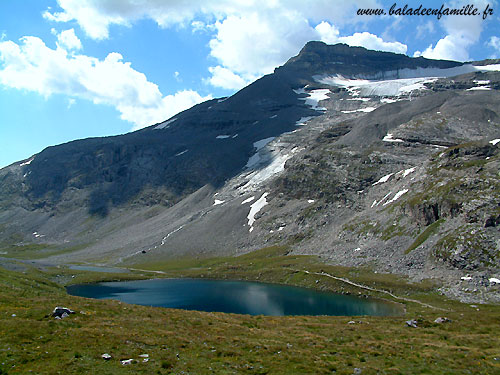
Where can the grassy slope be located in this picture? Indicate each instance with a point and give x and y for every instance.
(204, 343)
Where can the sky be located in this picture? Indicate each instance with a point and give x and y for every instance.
(72, 69)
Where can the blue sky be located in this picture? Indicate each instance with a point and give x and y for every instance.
(73, 69)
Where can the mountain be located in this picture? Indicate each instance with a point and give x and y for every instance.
(365, 158)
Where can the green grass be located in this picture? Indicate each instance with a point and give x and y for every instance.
(37, 251)
(193, 342)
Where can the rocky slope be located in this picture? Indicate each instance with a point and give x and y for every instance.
(365, 158)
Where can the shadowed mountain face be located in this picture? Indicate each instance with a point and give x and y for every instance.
(361, 157)
(207, 144)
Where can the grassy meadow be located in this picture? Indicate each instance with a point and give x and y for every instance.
(190, 342)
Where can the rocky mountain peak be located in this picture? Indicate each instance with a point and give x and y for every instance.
(318, 58)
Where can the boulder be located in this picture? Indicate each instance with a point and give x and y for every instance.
(441, 320)
(61, 312)
(412, 323)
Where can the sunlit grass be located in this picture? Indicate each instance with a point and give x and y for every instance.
(215, 343)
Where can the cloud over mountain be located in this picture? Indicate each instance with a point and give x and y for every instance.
(33, 66)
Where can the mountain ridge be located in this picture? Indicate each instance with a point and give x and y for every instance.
(316, 155)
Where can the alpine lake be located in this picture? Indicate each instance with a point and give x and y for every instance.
(239, 297)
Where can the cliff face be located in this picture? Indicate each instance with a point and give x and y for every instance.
(364, 158)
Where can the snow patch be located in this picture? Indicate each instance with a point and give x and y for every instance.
(262, 143)
(164, 239)
(389, 100)
(480, 82)
(364, 87)
(388, 138)
(26, 162)
(479, 88)
(310, 201)
(248, 200)
(494, 280)
(397, 196)
(495, 141)
(222, 136)
(384, 198)
(165, 125)
(361, 99)
(181, 153)
(37, 235)
(303, 120)
(383, 179)
(254, 210)
(314, 97)
(398, 82)
(253, 161)
(217, 202)
(406, 172)
(489, 68)
(366, 110)
(255, 158)
(466, 278)
(274, 116)
(276, 166)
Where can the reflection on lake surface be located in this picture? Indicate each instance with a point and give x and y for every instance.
(238, 297)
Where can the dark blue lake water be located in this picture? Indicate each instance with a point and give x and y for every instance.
(238, 297)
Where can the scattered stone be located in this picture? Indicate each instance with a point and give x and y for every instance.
(357, 371)
(144, 355)
(13, 315)
(126, 362)
(351, 322)
(106, 356)
(494, 280)
(412, 323)
(61, 312)
(441, 320)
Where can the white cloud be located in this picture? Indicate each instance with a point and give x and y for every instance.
(198, 26)
(451, 47)
(494, 42)
(71, 102)
(226, 79)
(68, 40)
(255, 45)
(425, 28)
(462, 33)
(166, 108)
(33, 66)
(95, 17)
(330, 34)
(250, 38)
